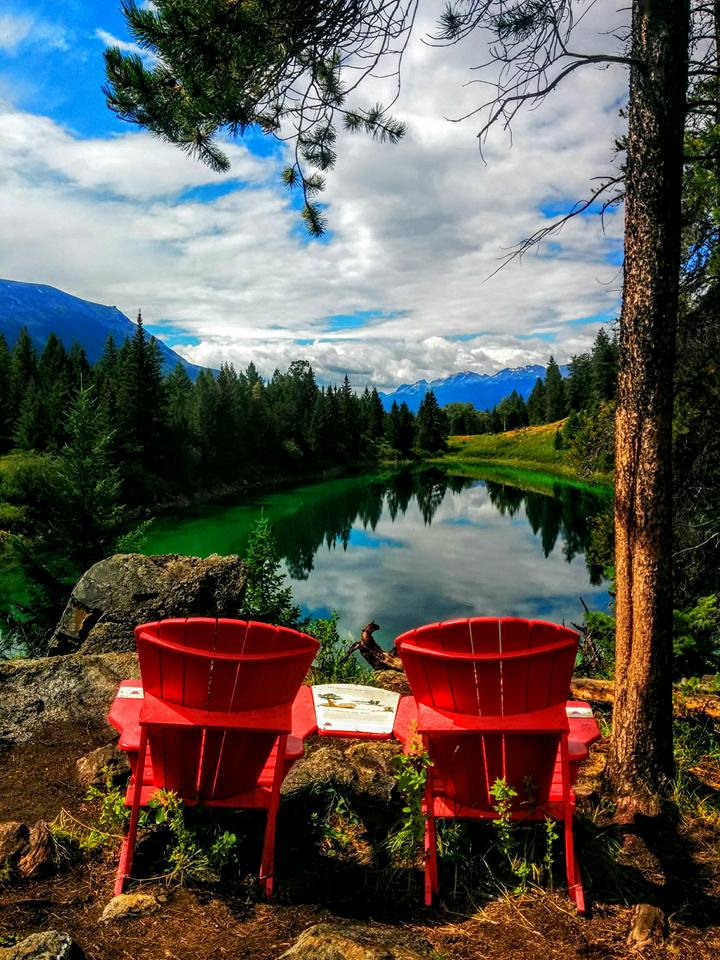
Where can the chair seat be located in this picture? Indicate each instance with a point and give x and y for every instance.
(125, 717)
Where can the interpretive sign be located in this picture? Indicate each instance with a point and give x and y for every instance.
(349, 708)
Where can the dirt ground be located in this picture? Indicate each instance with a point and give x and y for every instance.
(38, 779)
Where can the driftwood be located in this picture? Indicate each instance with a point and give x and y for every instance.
(368, 648)
(603, 691)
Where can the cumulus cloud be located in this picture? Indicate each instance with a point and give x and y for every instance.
(416, 231)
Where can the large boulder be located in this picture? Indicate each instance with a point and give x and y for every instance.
(116, 594)
(39, 694)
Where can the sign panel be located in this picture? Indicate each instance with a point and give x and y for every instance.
(354, 709)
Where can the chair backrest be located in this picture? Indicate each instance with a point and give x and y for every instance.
(493, 667)
(220, 666)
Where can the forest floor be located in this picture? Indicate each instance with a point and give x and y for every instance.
(679, 866)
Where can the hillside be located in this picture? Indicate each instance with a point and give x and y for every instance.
(45, 310)
(530, 448)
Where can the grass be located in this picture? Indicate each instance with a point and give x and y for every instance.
(530, 450)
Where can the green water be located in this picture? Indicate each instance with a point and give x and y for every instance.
(413, 547)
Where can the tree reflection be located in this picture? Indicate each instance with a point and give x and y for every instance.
(567, 515)
(330, 520)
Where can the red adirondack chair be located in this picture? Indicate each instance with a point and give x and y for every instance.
(219, 718)
(490, 702)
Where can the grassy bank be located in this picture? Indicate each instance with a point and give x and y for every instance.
(530, 450)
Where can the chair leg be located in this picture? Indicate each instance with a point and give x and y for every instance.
(572, 868)
(431, 865)
(268, 854)
(127, 851)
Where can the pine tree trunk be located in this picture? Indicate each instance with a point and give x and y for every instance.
(640, 763)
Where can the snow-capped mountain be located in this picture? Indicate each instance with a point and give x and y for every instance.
(483, 390)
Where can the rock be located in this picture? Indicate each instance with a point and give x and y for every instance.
(35, 694)
(14, 837)
(354, 941)
(94, 767)
(129, 906)
(48, 945)
(364, 765)
(39, 852)
(648, 926)
(393, 680)
(116, 594)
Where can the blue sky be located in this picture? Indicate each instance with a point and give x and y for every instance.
(220, 265)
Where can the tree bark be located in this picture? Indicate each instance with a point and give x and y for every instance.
(640, 762)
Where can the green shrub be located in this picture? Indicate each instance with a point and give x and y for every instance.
(696, 638)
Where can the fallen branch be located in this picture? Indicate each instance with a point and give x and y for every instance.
(603, 691)
(368, 648)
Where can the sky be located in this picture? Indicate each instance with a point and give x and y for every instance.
(401, 288)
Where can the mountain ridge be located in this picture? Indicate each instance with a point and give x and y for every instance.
(45, 309)
(483, 390)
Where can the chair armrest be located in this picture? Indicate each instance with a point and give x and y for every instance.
(125, 714)
(304, 722)
(584, 730)
(406, 717)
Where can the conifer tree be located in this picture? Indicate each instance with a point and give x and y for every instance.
(578, 385)
(536, 404)
(53, 382)
(23, 371)
(554, 393)
(87, 513)
(5, 402)
(603, 360)
(266, 597)
(432, 426)
(375, 419)
(401, 428)
(141, 404)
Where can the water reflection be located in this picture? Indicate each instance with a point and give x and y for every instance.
(330, 521)
(413, 546)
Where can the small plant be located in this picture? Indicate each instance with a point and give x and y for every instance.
(503, 794)
(342, 832)
(114, 814)
(411, 771)
(522, 862)
(551, 835)
(193, 856)
(70, 836)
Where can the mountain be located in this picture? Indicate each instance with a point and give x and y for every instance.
(45, 310)
(480, 389)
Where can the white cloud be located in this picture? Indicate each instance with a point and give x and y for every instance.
(13, 31)
(20, 29)
(417, 229)
(111, 41)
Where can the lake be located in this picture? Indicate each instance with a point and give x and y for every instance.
(415, 546)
